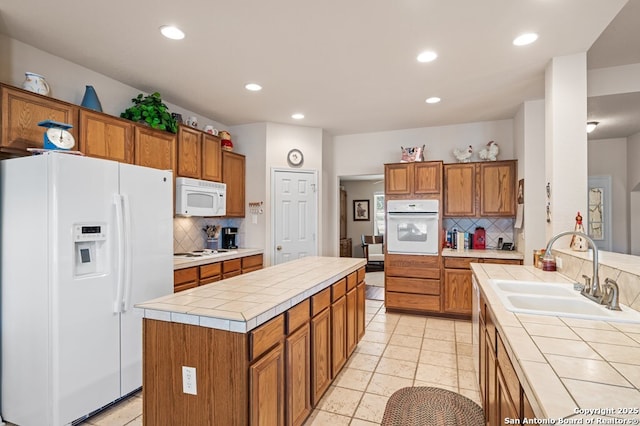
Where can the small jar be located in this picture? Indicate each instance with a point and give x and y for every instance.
(548, 265)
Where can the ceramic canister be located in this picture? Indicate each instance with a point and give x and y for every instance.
(36, 83)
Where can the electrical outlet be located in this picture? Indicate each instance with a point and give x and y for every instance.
(189, 384)
(558, 262)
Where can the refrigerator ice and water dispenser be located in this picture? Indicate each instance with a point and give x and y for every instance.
(90, 249)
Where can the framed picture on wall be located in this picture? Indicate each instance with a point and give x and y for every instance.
(360, 210)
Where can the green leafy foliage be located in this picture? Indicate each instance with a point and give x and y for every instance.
(151, 110)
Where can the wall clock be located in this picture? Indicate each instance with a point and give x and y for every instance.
(295, 158)
(57, 135)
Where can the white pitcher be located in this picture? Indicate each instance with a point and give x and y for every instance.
(36, 83)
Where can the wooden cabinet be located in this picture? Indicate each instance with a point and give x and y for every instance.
(210, 273)
(104, 136)
(266, 389)
(480, 189)
(346, 249)
(352, 320)
(413, 178)
(321, 354)
(412, 283)
(298, 374)
(154, 148)
(184, 279)
(231, 268)
(21, 113)
(199, 155)
(338, 327)
(360, 316)
(233, 174)
(251, 263)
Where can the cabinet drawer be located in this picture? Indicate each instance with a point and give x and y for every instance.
(413, 285)
(338, 289)
(361, 273)
(251, 262)
(508, 372)
(181, 287)
(503, 261)
(399, 265)
(210, 270)
(352, 280)
(459, 262)
(416, 302)
(297, 316)
(186, 275)
(320, 301)
(266, 336)
(231, 265)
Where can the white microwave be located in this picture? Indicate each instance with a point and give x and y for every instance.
(200, 197)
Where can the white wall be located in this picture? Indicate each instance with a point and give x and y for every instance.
(608, 157)
(68, 80)
(330, 199)
(360, 190)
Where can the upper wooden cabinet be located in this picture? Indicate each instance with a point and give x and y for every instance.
(233, 174)
(199, 155)
(155, 148)
(211, 158)
(413, 178)
(104, 136)
(480, 189)
(21, 113)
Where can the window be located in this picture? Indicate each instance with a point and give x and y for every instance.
(378, 213)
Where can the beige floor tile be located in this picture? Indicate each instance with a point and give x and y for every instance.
(351, 378)
(406, 341)
(468, 380)
(412, 321)
(466, 363)
(371, 408)
(435, 374)
(463, 337)
(435, 385)
(361, 361)
(376, 336)
(358, 422)
(323, 418)
(120, 414)
(396, 367)
(371, 348)
(437, 334)
(341, 401)
(402, 352)
(384, 327)
(384, 385)
(410, 330)
(384, 317)
(439, 345)
(441, 359)
(463, 326)
(472, 395)
(440, 324)
(135, 422)
(464, 349)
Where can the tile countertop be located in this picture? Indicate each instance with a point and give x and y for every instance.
(243, 302)
(484, 254)
(565, 365)
(187, 262)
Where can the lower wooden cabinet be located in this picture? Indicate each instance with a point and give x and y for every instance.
(412, 283)
(266, 389)
(321, 355)
(338, 326)
(352, 320)
(251, 263)
(187, 278)
(361, 308)
(184, 279)
(231, 268)
(298, 375)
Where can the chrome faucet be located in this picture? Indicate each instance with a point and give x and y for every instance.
(591, 290)
(611, 295)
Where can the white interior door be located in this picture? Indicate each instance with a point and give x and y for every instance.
(295, 215)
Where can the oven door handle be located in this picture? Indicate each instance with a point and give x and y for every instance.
(397, 215)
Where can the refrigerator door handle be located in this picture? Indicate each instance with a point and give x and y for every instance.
(120, 241)
(128, 254)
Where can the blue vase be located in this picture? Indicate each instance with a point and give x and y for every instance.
(90, 99)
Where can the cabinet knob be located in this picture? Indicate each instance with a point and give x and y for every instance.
(278, 248)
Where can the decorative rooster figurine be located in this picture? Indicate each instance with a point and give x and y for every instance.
(490, 153)
(464, 155)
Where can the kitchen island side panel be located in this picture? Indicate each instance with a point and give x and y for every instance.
(221, 362)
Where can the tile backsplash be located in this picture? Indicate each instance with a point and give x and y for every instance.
(188, 234)
(494, 228)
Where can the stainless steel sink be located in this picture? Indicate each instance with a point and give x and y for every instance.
(556, 299)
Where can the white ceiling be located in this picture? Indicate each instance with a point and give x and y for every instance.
(349, 66)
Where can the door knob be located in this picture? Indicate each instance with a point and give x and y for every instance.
(278, 248)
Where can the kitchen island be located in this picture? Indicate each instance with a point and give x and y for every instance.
(550, 367)
(260, 348)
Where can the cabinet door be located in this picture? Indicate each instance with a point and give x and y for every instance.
(233, 174)
(397, 178)
(189, 152)
(266, 389)
(211, 158)
(427, 178)
(320, 355)
(154, 148)
(298, 376)
(457, 291)
(498, 188)
(338, 335)
(352, 321)
(21, 113)
(505, 408)
(107, 137)
(482, 370)
(491, 409)
(459, 190)
(184, 279)
(361, 310)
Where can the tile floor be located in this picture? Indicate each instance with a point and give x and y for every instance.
(396, 351)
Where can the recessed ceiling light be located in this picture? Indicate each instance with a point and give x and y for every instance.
(524, 39)
(591, 126)
(253, 87)
(427, 56)
(174, 33)
(297, 116)
(433, 100)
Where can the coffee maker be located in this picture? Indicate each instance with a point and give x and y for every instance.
(229, 238)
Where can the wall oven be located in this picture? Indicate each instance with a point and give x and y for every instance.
(413, 227)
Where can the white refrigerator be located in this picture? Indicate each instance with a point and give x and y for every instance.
(83, 240)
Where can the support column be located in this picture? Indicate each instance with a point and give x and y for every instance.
(566, 140)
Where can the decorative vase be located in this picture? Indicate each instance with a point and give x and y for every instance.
(90, 99)
(36, 83)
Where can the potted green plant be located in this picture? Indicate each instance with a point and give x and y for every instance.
(152, 111)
